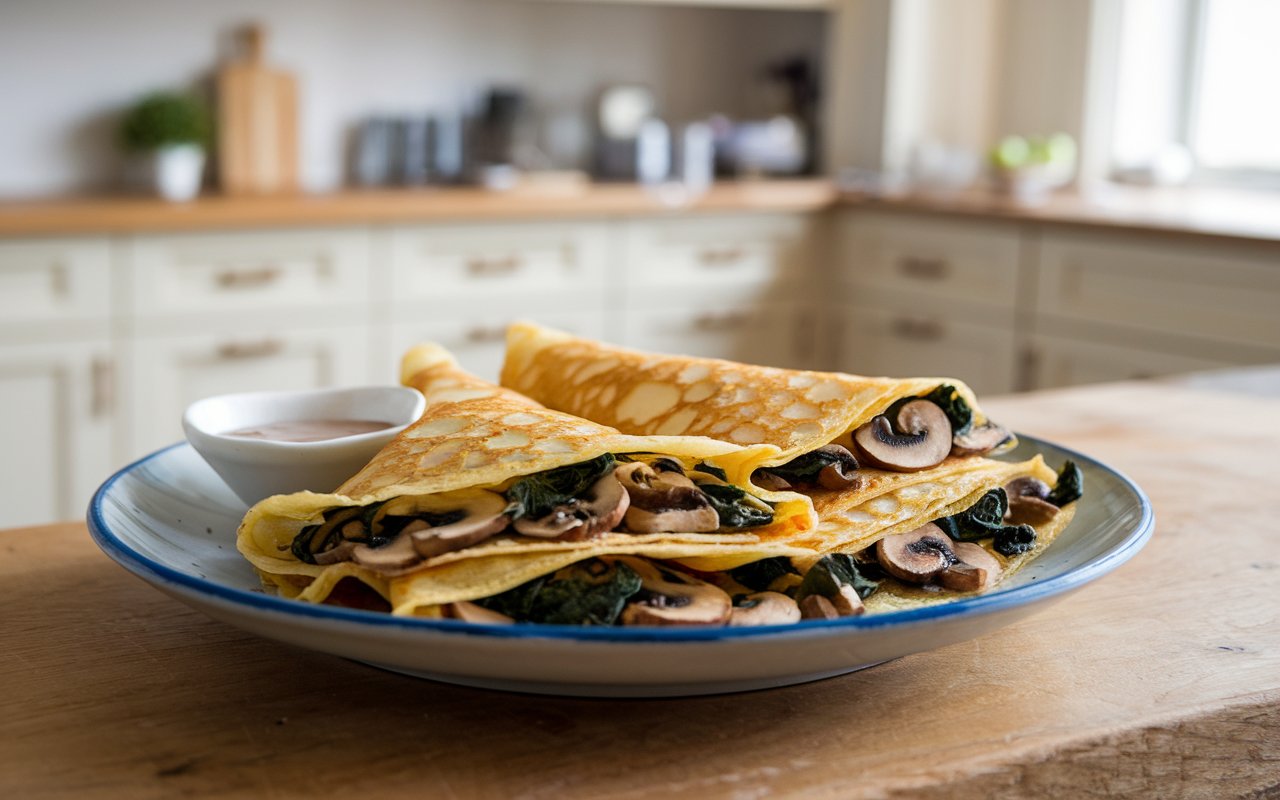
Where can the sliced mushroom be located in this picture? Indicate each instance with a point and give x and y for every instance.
(333, 555)
(841, 474)
(1027, 510)
(770, 482)
(1027, 487)
(764, 608)
(815, 606)
(471, 612)
(980, 440)
(394, 556)
(924, 441)
(484, 516)
(667, 597)
(916, 556)
(599, 511)
(977, 570)
(664, 501)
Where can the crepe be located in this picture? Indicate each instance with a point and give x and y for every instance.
(472, 442)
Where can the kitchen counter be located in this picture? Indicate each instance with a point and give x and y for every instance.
(1212, 214)
(355, 207)
(1161, 679)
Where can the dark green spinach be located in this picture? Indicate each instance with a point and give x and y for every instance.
(1070, 485)
(592, 592)
(732, 506)
(758, 576)
(983, 519)
(1014, 540)
(712, 469)
(832, 572)
(536, 495)
(805, 468)
(956, 407)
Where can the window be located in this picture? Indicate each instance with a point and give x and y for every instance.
(1203, 75)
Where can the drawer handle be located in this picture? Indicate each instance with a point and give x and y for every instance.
(722, 321)
(921, 330)
(483, 335)
(721, 257)
(505, 265)
(928, 269)
(248, 278)
(237, 351)
(102, 381)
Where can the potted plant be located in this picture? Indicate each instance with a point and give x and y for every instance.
(173, 130)
(1029, 168)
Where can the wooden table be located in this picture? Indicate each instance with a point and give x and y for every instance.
(1162, 679)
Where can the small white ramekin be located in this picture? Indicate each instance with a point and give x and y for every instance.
(259, 468)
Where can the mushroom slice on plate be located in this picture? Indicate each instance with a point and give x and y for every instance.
(815, 606)
(842, 472)
(667, 597)
(1024, 510)
(764, 608)
(916, 556)
(924, 440)
(471, 612)
(599, 511)
(483, 516)
(977, 570)
(980, 440)
(664, 502)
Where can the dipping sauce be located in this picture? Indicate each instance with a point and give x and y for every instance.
(310, 430)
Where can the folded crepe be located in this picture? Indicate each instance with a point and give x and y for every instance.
(874, 454)
(488, 491)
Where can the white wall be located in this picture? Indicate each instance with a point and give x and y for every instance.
(68, 66)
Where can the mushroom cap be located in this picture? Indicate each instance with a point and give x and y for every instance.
(977, 570)
(484, 517)
(391, 557)
(1027, 487)
(841, 474)
(918, 555)
(600, 510)
(471, 612)
(1027, 510)
(664, 501)
(815, 606)
(924, 442)
(980, 439)
(764, 608)
(672, 598)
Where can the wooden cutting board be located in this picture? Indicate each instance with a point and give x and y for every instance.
(257, 122)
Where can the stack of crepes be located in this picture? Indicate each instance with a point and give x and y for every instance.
(787, 417)
(474, 441)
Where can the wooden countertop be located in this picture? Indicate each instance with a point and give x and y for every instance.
(1162, 679)
(354, 207)
(1217, 215)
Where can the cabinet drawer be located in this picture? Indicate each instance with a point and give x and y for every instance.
(716, 251)
(477, 260)
(1066, 362)
(881, 341)
(478, 341)
(55, 282)
(963, 261)
(1217, 292)
(772, 335)
(219, 273)
(168, 374)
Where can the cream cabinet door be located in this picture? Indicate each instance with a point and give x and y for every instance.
(479, 340)
(56, 410)
(884, 341)
(1067, 362)
(166, 374)
(773, 335)
(52, 287)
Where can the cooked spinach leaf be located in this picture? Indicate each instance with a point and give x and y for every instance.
(830, 573)
(735, 510)
(805, 468)
(983, 519)
(1070, 485)
(760, 575)
(1012, 540)
(536, 495)
(712, 469)
(593, 592)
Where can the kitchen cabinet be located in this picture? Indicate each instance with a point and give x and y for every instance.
(57, 427)
(1056, 361)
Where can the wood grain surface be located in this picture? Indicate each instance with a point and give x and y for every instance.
(1160, 680)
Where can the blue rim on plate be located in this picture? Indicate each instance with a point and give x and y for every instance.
(139, 564)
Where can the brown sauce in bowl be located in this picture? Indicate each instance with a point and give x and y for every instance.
(310, 430)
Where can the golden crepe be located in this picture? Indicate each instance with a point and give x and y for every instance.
(463, 504)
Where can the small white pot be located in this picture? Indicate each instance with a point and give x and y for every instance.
(178, 170)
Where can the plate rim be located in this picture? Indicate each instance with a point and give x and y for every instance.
(980, 605)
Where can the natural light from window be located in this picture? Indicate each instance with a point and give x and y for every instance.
(1237, 115)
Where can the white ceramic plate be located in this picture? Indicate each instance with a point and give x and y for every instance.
(171, 521)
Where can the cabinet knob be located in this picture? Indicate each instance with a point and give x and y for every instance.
(239, 351)
(248, 278)
(721, 256)
(921, 330)
(102, 386)
(503, 265)
(921, 268)
(486, 335)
